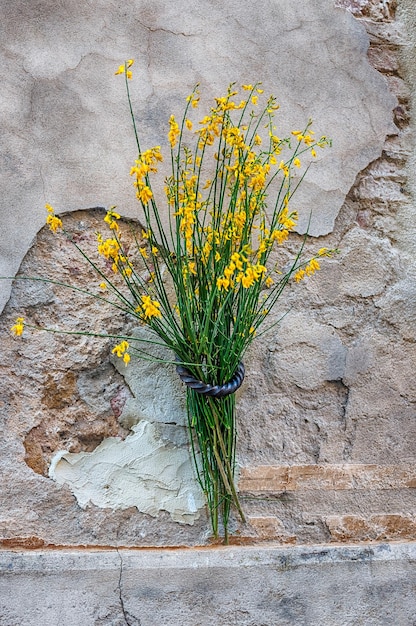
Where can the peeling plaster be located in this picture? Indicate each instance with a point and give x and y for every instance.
(143, 471)
(151, 468)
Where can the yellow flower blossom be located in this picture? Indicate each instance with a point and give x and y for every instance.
(312, 267)
(284, 168)
(120, 348)
(299, 275)
(296, 162)
(297, 134)
(125, 69)
(52, 221)
(173, 131)
(103, 286)
(149, 308)
(110, 218)
(18, 327)
(223, 283)
(188, 124)
(144, 194)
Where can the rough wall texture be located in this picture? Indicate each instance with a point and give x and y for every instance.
(327, 412)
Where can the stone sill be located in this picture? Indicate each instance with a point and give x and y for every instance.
(329, 585)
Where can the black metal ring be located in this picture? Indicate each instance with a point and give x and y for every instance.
(216, 391)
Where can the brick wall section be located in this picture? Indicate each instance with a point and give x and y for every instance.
(350, 502)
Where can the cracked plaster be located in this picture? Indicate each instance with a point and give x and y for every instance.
(65, 126)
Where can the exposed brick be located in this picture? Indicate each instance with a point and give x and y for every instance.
(270, 528)
(269, 479)
(378, 10)
(389, 527)
(384, 59)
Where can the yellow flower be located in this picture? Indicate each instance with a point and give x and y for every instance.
(299, 275)
(103, 286)
(254, 99)
(188, 124)
(124, 69)
(248, 279)
(53, 222)
(173, 132)
(284, 167)
(296, 162)
(49, 208)
(110, 218)
(120, 350)
(17, 328)
(192, 267)
(247, 87)
(312, 267)
(223, 283)
(297, 134)
(145, 194)
(143, 252)
(149, 308)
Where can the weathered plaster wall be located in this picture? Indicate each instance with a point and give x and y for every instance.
(327, 412)
(65, 125)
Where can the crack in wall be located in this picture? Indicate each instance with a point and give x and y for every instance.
(125, 614)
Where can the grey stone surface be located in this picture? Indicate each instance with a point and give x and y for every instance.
(66, 135)
(369, 585)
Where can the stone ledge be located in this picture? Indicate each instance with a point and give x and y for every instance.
(281, 558)
(369, 584)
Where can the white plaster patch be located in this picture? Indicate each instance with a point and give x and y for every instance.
(144, 471)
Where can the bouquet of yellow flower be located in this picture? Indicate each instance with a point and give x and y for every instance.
(229, 199)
